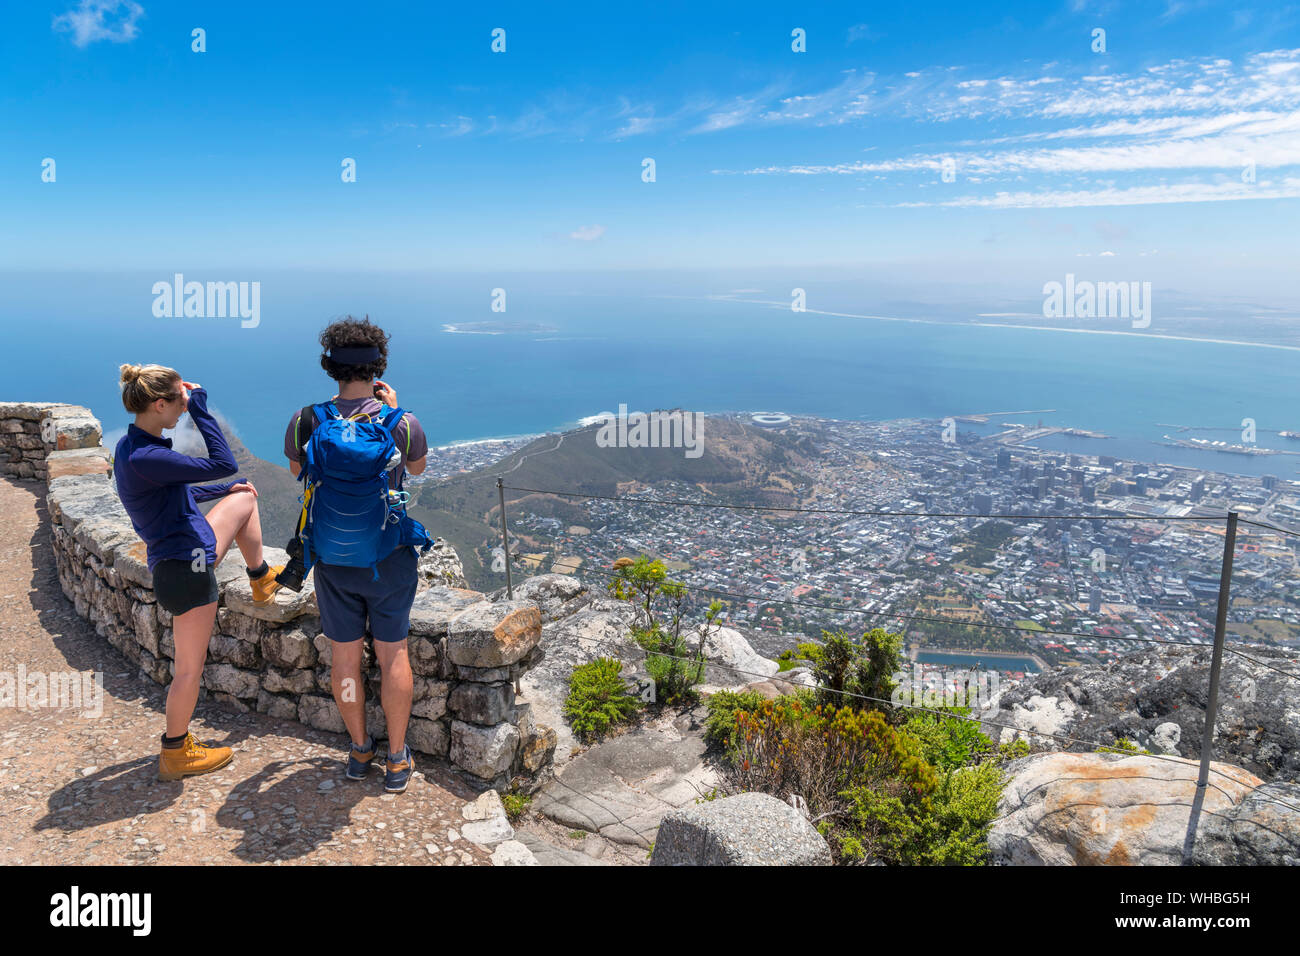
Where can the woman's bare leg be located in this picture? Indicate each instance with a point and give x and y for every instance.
(190, 633)
(235, 518)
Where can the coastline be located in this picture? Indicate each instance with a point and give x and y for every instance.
(1214, 460)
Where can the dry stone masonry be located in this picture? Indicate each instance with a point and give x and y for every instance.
(467, 652)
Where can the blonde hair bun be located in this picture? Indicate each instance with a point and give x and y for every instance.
(142, 385)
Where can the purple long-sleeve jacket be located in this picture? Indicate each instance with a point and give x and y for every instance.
(152, 481)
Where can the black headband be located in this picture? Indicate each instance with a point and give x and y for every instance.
(355, 356)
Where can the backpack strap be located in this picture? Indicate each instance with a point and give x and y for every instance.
(309, 419)
(390, 420)
(303, 426)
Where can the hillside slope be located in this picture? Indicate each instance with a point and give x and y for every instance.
(741, 464)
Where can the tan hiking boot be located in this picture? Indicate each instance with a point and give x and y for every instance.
(264, 588)
(191, 758)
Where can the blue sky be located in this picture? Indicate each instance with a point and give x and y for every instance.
(531, 159)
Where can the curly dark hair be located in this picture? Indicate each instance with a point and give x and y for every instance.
(350, 332)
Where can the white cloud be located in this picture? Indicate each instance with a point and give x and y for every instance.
(587, 233)
(1209, 115)
(1288, 188)
(94, 20)
(861, 31)
(458, 127)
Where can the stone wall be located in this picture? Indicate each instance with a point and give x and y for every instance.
(466, 651)
(32, 432)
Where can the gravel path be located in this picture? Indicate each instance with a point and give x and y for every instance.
(76, 788)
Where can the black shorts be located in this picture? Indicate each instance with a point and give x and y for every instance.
(179, 588)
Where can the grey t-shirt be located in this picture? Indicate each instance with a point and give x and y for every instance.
(407, 434)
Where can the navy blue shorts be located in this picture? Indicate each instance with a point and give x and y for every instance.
(348, 596)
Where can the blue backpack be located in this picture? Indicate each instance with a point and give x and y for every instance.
(350, 517)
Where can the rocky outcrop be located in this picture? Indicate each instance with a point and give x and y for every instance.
(556, 595)
(749, 829)
(466, 652)
(440, 565)
(622, 787)
(1156, 698)
(1108, 809)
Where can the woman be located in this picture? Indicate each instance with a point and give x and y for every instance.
(183, 546)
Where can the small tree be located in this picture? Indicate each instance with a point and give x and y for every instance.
(844, 667)
(672, 664)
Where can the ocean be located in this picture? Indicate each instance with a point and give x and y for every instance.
(554, 358)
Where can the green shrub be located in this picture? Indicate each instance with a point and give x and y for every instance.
(872, 788)
(721, 722)
(949, 828)
(516, 805)
(670, 664)
(963, 806)
(783, 747)
(800, 656)
(948, 742)
(598, 698)
(1123, 746)
(1013, 751)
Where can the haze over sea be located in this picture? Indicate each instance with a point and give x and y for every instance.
(567, 350)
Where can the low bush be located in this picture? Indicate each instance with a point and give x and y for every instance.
(598, 698)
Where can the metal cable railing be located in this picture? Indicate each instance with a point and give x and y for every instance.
(907, 618)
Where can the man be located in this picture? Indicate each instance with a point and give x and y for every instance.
(355, 354)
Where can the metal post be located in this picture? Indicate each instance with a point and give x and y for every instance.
(1220, 622)
(505, 540)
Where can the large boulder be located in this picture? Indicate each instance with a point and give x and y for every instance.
(784, 682)
(1261, 830)
(733, 662)
(749, 829)
(1112, 809)
(488, 635)
(623, 786)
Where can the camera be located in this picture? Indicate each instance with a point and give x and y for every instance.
(294, 571)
